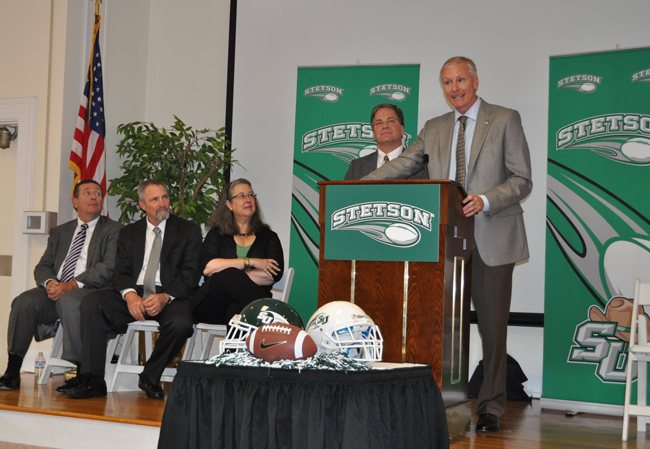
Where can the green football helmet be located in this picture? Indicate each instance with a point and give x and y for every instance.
(254, 315)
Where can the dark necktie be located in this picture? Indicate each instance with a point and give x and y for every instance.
(70, 263)
(152, 266)
(461, 171)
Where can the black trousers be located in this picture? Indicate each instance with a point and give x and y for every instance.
(105, 314)
(230, 291)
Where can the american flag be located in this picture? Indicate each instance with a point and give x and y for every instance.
(87, 158)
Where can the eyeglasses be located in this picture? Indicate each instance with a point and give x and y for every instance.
(241, 196)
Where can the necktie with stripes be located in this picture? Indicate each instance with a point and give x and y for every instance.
(461, 170)
(70, 263)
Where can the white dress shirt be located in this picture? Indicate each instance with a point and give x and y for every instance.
(83, 256)
(149, 236)
(392, 155)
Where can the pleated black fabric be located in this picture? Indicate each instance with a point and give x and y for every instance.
(257, 408)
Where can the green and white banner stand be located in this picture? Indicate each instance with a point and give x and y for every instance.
(333, 106)
(598, 226)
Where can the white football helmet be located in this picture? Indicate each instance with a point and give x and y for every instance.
(343, 326)
(255, 314)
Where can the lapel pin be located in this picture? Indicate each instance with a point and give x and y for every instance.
(487, 121)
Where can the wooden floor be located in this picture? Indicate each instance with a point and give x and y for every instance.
(524, 425)
(129, 407)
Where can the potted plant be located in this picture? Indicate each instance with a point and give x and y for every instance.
(191, 163)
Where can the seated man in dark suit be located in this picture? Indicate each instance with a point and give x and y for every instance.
(387, 122)
(78, 260)
(156, 272)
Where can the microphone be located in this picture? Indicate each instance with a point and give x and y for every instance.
(425, 161)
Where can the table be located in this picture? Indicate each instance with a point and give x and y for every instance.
(256, 408)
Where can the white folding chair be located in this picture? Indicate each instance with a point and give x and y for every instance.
(282, 288)
(639, 354)
(55, 360)
(129, 365)
(203, 343)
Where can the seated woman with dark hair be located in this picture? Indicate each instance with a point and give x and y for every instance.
(241, 258)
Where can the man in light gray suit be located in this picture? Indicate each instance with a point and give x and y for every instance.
(483, 147)
(79, 259)
(387, 121)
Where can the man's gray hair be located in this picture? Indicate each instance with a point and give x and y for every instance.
(459, 60)
(149, 182)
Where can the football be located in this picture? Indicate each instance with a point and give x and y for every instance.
(637, 149)
(279, 341)
(402, 234)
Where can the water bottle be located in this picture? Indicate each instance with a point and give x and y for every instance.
(39, 366)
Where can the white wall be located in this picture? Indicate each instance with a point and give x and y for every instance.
(510, 41)
(163, 58)
(188, 54)
(31, 34)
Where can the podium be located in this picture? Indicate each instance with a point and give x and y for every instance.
(417, 292)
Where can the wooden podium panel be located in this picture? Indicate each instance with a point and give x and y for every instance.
(421, 308)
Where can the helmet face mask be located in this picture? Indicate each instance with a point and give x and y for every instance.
(343, 326)
(254, 315)
(238, 330)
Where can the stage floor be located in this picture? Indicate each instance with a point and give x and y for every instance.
(524, 424)
(127, 407)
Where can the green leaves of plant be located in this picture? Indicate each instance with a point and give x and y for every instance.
(191, 163)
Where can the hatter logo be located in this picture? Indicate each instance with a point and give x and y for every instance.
(603, 338)
(585, 84)
(623, 138)
(393, 224)
(394, 92)
(642, 76)
(607, 244)
(328, 94)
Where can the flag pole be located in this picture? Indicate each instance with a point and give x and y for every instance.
(87, 156)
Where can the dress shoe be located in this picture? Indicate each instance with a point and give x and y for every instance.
(89, 388)
(487, 422)
(152, 391)
(71, 384)
(9, 382)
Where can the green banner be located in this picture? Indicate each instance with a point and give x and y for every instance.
(396, 222)
(598, 232)
(333, 106)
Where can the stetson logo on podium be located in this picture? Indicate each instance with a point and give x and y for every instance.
(393, 224)
(374, 222)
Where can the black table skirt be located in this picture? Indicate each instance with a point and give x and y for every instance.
(256, 408)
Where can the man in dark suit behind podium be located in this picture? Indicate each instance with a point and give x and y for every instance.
(78, 260)
(387, 121)
(156, 272)
(483, 147)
